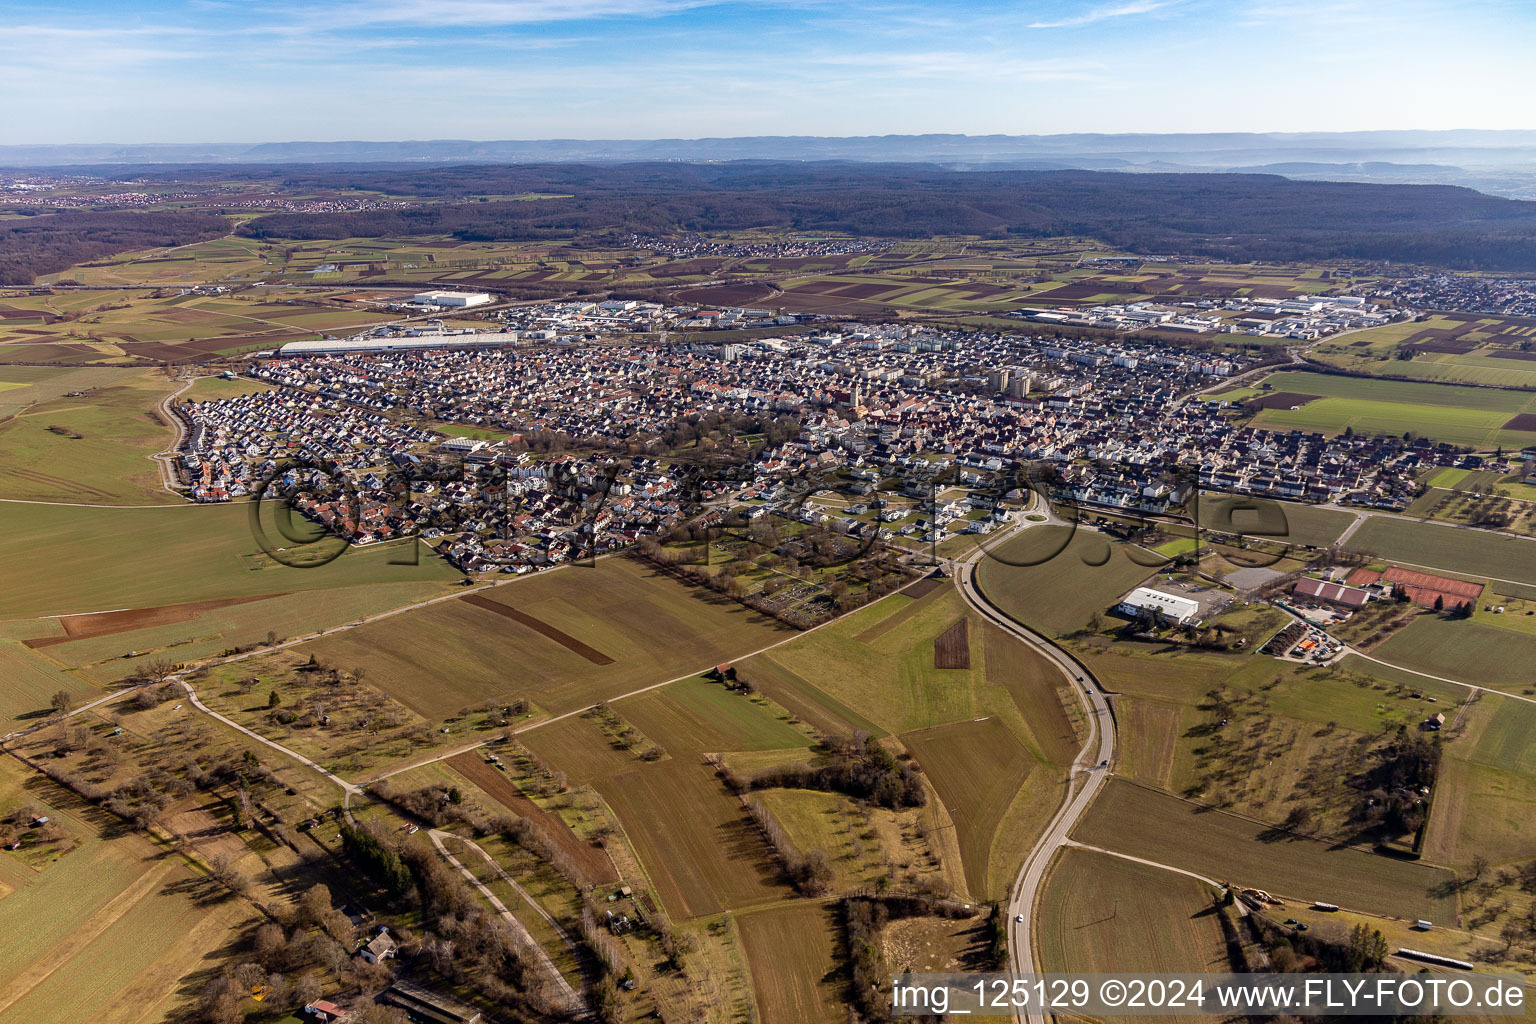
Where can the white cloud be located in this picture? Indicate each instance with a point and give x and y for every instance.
(1098, 14)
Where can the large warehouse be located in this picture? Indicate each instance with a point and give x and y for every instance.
(450, 298)
(1143, 600)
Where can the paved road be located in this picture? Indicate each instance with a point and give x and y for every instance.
(569, 996)
(165, 458)
(1089, 772)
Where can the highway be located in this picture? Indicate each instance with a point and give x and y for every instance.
(1088, 773)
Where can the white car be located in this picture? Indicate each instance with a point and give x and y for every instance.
(1019, 918)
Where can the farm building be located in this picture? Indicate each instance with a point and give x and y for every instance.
(424, 1004)
(1145, 600)
(1333, 593)
(381, 947)
(451, 298)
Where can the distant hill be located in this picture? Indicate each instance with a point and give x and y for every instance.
(1472, 154)
(1233, 216)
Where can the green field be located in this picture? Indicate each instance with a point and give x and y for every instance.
(439, 659)
(1145, 823)
(28, 681)
(1485, 799)
(71, 560)
(1286, 522)
(1466, 651)
(212, 389)
(93, 449)
(696, 716)
(1066, 589)
(1472, 552)
(1442, 412)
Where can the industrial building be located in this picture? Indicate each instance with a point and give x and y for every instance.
(1144, 600)
(451, 298)
(380, 342)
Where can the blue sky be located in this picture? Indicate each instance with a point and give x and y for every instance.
(254, 70)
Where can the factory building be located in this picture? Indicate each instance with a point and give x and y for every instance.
(451, 298)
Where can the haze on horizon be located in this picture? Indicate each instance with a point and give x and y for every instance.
(170, 71)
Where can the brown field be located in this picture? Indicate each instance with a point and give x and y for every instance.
(594, 864)
(726, 295)
(702, 852)
(450, 655)
(792, 952)
(579, 748)
(93, 624)
(1280, 400)
(565, 640)
(1150, 734)
(1036, 688)
(1103, 913)
(977, 768)
(952, 648)
(1524, 421)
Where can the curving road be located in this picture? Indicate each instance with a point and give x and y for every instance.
(1088, 773)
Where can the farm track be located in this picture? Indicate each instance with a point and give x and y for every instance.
(569, 996)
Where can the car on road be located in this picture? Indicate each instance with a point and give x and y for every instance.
(1019, 918)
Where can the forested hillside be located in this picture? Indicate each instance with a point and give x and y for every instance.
(42, 243)
(1235, 216)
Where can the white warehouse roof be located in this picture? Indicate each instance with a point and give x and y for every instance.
(488, 339)
(451, 298)
(1180, 609)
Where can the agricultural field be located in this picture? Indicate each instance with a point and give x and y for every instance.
(159, 324)
(1467, 651)
(76, 560)
(31, 681)
(1284, 522)
(114, 928)
(1477, 416)
(1486, 796)
(1075, 575)
(1471, 552)
(93, 447)
(702, 853)
(1101, 913)
(1310, 728)
(1007, 718)
(596, 632)
(792, 954)
(1465, 348)
(1131, 819)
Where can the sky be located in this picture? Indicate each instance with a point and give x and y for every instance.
(94, 71)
